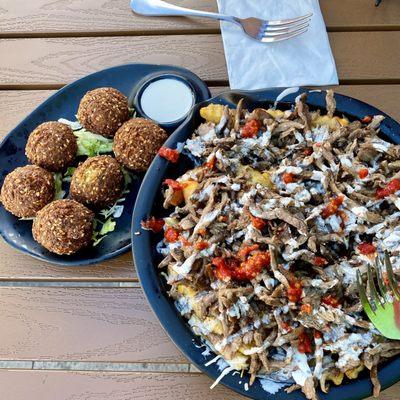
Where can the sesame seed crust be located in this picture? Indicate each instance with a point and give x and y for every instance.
(136, 143)
(63, 227)
(97, 182)
(103, 111)
(26, 190)
(52, 145)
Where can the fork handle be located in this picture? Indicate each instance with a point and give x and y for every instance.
(161, 8)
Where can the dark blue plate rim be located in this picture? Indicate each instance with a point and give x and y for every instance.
(176, 326)
(201, 93)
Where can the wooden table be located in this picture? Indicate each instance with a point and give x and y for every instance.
(87, 332)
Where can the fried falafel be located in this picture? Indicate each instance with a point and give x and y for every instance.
(103, 111)
(63, 227)
(52, 145)
(136, 143)
(26, 190)
(98, 182)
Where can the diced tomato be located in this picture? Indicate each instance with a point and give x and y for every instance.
(171, 235)
(251, 128)
(184, 241)
(231, 268)
(331, 301)
(202, 231)
(153, 224)
(286, 327)
(332, 207)
(320, 261)
(211, 163)
(250, 268)
(224, 267)
(288, 177)
(201, 245)
(317, 334)
(294, 291)
(306, 308)
(258, 223)
(366, 248)
(246, 250)
(343, 216)
(304, 345)
(363, 173)
(169, 154)
(308, 151)
(367, 119)
(391, 188)
(175, 185)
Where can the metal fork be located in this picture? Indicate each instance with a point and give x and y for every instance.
(383, 308)
(265, 31)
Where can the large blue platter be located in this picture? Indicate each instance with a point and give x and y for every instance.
(149, 202)
(64, 104)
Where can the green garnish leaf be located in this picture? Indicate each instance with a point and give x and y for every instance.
(90, 144)
(59, 192)
(127, 177)
(70, 171)
(132, 112)
(68, 174)
(107, 227)
(96, 239)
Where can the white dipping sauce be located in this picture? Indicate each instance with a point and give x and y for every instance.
(166, 100)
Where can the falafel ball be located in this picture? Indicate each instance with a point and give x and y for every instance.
(26, 190)
(98, 182)
(63, 226)
(52, 145)
(136, 143)
(103, 111)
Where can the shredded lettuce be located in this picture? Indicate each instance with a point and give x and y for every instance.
(90, 144)
(105, 223)
(127, 177)
(59, 192)
(68, 174)
(108, 226)
(132, 112)
(74, 125)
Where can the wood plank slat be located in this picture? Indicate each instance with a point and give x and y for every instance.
(14, 105)
(44, 17)
(17, 266)
(55, 61)
(62, 385)
(74, 324)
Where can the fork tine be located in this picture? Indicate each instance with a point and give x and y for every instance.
(392, 281)
(285, 29)
(380, 279)
(289, 21)
(363, 296)
(277, 38)
(282, 28)
(372, 288)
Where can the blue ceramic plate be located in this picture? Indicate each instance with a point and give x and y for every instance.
(149, 202)
(64, 104)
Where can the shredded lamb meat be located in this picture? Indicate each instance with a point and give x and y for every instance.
(268, 234)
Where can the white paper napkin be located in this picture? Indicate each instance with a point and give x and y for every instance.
(304, 60)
